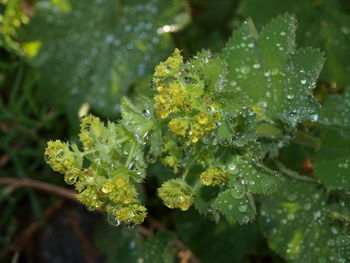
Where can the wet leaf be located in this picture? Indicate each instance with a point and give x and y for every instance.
(332, 163)
(323, 24)
(275, 78)
(158, 249)
(92, 51)
(298, 224)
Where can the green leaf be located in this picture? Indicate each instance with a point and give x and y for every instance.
(297, 222)
(158, 249)
(204, 199)
(332, 162)
(118, 245)
(274, 77)
(136, 120)
(231, 242)
(241, 210)
(92, 51)
(128, 246)
(323, 24)
(236, 200)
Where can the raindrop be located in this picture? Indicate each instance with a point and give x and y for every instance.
(243, 208)
(314, 117)
(290, 96)
(256, 66)
(274, 71)
(245, 70)
(237, 192)
(112, 220)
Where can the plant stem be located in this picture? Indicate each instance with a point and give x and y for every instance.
(291, 173)
(308, 140)
(131, 154)
(267, 130)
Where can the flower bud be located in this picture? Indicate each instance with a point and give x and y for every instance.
(176, 193)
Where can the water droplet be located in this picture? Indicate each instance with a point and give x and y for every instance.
(152, 157)
(245, 70)
(274, 71)
(267, 73)
(283, 33)
(237, 192)
(292, 196)
(243, 208)
(314, 117)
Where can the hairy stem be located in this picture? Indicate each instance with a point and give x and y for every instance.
(308, 140)
(292, 173)
(267, 130)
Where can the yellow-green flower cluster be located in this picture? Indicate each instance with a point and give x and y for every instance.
(119, 190)
(132, 214)
(171, 66)
(106, 183)
(91, 198)
(120, 196)
(60, 157)
(194, 128)
(171, 98)
(177, 95)
(176, 193)
(90, 130)
(214, 176)
(172, 152)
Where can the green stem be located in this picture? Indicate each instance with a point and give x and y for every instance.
(267, 130)
(131, 154)
(308, 140)
(104, 146)
(194, 159)
(291, 173)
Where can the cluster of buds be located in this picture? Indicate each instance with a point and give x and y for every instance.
(106, 183)
(176, 193)
(59, 156)
(214, 176)
(176, 95)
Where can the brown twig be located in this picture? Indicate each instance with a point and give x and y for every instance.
(60, 191)
(70, 194)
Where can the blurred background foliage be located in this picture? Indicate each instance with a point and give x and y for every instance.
(63, 58)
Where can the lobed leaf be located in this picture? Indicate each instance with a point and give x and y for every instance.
(332, 162)
(298, 224)
(275, 79)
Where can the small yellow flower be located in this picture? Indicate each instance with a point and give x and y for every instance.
(171, 66)
(131, 214)
(202, 118)
(178, 126)
(90, 198)
(214, 176)
(60, 157)
(176, 193)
